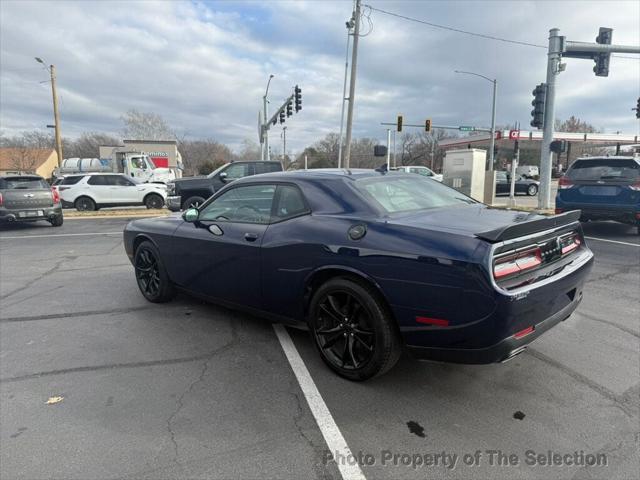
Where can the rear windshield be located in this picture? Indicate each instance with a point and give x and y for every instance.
(605, 169)
(404, 193)
(22, 183)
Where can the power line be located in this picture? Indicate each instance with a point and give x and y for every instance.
(457, 30)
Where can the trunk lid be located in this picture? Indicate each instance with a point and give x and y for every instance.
(25, 193)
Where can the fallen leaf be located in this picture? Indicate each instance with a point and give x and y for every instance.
(53, 400)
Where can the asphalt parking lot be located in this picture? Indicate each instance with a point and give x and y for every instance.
(192, 390)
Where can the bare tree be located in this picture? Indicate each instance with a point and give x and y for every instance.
(203, 156)
(87, 144)
(145, 126)
(250, 150)
(23, 159)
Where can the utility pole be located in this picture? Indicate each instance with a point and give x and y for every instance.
(56, 113)
(344, 89)
(265, 150)
(394, 149)
(352, 83)
(388, 147)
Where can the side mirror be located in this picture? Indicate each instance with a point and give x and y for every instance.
(191, 215)
(223, 176)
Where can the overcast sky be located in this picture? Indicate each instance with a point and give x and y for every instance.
(204, 65)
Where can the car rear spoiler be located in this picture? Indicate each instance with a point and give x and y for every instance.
(529, 227)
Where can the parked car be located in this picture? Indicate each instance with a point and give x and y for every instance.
(528, 171)
(27, 198)
(522, 185)
(602, 188)
(93, 191)
(192, 192)
(370, 261)
(420, 170)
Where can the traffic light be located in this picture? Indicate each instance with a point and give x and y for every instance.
(289, 109)
(298, 98)
(558, 146)
(538, 103)
(399, 124)
(637, 109)
(601, 68)
(427, 125)
(282, 116)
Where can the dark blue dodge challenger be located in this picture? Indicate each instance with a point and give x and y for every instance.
(373, 262)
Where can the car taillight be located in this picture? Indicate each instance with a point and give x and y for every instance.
(570, 244)
(1, 200)
(558, 210)
(56, 195)
(564, 182)
(519, 262)
(635, 186)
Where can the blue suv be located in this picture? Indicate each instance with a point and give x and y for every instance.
(603, 188)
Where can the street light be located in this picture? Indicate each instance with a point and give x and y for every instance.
(493, 114)
(56, 115)
(265, 148)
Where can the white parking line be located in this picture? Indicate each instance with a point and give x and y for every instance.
(330, 431)
(61, 235)
(613, 241)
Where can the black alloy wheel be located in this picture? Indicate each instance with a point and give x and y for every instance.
(352, 330)
(193, 202)
(85, 204)
(153, 201)
(151, 275)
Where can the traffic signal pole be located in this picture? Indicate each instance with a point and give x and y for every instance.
(559, 47)
(553, 70)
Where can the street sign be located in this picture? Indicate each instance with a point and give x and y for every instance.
(467, 129)
(514, 134)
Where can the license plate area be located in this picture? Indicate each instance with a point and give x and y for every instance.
(597, 190)
(31, 214)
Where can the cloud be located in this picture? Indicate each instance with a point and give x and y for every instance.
(204, 65)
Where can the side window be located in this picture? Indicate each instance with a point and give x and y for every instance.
(289, 203)
(237, 170)
(120, 181)
(69, 180)
(266, 167)
(98, 180)
(501, 177)
(249, 204)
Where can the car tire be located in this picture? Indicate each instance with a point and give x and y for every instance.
(153, 201)
(353, 329)
(151, 274)
(192, 202)
(85, 204)
(57, 221)
(532, 190)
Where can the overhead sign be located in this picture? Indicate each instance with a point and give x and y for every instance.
(514, 134)
(467, 129)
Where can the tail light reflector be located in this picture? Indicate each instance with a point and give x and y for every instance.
(1, 200)
(635, 186)
(433, 321)
(574, 243)
(56, 195)
(517, 263)
(558, 210)
(524, 333)
(564, 182)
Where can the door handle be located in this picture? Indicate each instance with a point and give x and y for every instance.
(250, 237)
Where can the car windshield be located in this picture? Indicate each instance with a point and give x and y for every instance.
(605, 169)
(24, 183)
(216, 171)
(402, 193)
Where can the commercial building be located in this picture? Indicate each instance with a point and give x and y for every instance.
(41, 161)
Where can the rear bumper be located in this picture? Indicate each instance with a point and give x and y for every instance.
(174, 203)
(29, 214)
(626, 213)
(514, 319)
(499, 352)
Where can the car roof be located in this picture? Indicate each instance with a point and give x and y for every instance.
(31, 176)
(610, 157)
(321, 174)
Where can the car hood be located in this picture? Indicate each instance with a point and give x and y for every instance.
(192, 180)
(464, 220)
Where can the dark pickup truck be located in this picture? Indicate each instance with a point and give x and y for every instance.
(27, 198)
(192, 192)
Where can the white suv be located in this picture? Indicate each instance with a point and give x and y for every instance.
(420, 170)
(97, 190)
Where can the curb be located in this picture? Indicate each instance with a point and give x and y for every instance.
(93, 217)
